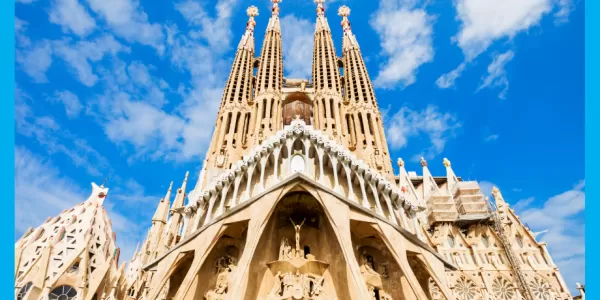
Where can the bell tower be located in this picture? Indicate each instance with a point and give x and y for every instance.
(362, 117)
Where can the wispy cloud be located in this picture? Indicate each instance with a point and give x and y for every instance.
(562, 216)
(71, 102)
(405, 33)
(491, 138)
(298, 40)
(438, 127)
(72, 17)
(496, 76)
(447, 80)
(128, 20)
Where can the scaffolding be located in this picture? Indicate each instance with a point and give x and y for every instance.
(512, 259)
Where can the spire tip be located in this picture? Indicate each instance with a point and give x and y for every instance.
(344, 11)
(423, 162)
(400, 162)
(447, 163)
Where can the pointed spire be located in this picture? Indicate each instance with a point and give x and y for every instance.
(322, 23)
(247, 41)
(407, 189)
(349, 40)
(451, 177)
(180, 197)
(274, 20)
(500, 203)
(429, 185)
(162, 211)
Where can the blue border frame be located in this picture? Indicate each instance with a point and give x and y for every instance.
(592, 124)
(7, 125)
(592, 93)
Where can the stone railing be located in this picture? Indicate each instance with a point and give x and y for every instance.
(299, 148)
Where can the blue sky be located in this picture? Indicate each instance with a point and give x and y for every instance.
(128, 91)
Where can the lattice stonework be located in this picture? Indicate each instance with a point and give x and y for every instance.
(434, 291)
(466, 289)
(541, 289)
(503, 289)
(64, 292)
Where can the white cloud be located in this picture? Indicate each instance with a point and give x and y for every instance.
(216, 31)
(80, 55)
(562, 216)
(71, 102)
(406, 41)
(36, 60)
(496, 76)
(72, 16)
(298, 40)
(437, 126)
(484, 21)
(565, 7)
(54, 139)
(447, 80)
(40, 191)
(127, 19)
(147, 128)
(491, 138)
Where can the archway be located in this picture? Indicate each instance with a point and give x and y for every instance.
(297, 106)
(299, 254)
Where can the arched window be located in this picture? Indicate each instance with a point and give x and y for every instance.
(63, 292)
(23, 292)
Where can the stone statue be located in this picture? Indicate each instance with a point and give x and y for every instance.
(225, 266)
(297, 228)
(285, 250)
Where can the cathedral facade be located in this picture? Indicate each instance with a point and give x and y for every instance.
(298, 199)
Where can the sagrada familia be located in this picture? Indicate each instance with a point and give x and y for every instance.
(297, 199)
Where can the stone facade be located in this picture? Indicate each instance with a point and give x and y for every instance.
(297, 199)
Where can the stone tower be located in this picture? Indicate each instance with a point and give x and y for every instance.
(297, 199)
(302, 201)
(70, 256)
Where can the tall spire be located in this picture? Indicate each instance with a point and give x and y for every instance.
(326, 79)
(349, 40)
(235, 113)
(247, 41)
(162, 211)
(362, 115)
(269, 81)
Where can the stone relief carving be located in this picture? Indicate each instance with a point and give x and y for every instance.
(224, 267)
(466, 289)
(297, 276)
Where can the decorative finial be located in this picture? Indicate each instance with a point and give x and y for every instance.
(252, 12)
(320, 7)
(447, 163)
(400, 162)
(344, 12)
(275, 9)
(102, 186)
(423, 162)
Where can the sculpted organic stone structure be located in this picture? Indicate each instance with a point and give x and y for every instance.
(297, 199)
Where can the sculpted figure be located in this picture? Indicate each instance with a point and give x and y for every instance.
(297, 228)
(285, 250)
(225, 266)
